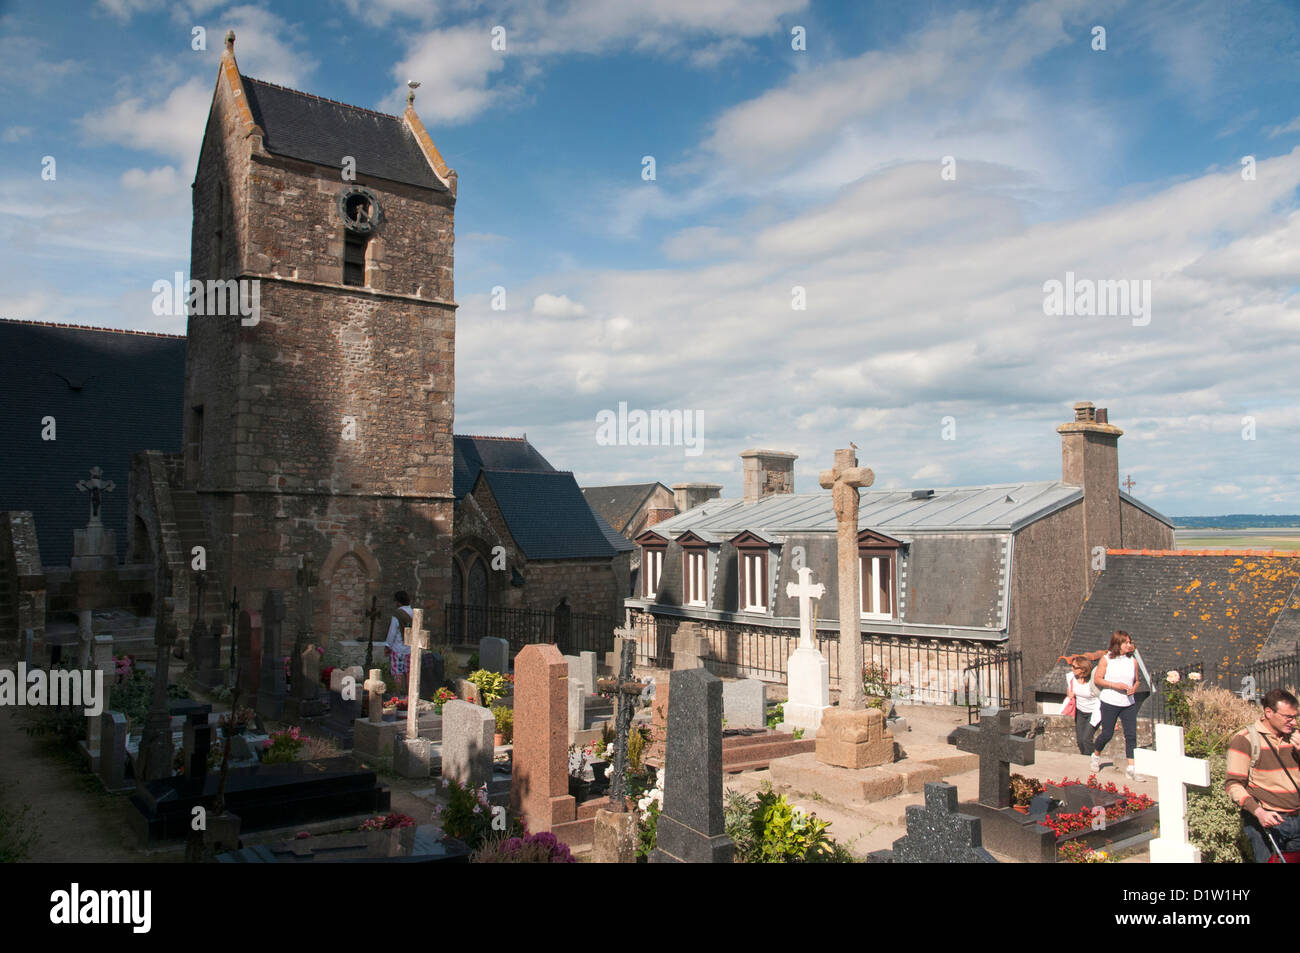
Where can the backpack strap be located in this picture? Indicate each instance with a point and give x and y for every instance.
(1253, 734)
(404, 620)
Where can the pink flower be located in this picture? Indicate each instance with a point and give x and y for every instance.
(1172, 678)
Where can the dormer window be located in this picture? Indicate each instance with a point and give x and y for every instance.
(695, 570)
(653, 547)
(877, 558)
(752, 558)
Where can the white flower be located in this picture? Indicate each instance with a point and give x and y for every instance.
(1172, 678)
(1194, 676)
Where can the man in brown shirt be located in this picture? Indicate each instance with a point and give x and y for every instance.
(1267, 789)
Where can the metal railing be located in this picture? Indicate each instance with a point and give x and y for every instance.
(573, 632)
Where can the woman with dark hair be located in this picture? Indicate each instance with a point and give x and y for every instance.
(1117, 677)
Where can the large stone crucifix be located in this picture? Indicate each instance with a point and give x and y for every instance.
(96, 487)
(417, 639)
(844, 481)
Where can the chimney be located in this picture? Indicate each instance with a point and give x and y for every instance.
(766, 472)
(1090, 459)
(687, 496)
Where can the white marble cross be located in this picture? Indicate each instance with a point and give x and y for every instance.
(416, 639)
(806, 591)
(1173, 771)
(374, 685)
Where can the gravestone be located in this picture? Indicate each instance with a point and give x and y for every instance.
(937, 834)
(112, 751)
(310, 666)
(744, 703)
(197, 745)
(691, 827)
(1002, 829)
(539, 782)
(373, 737)
(467, 743)
(658, 747)
(998, 749)
(102, 659)
(432, 674)
(205, 651)
(249, 636)
(808, 671)
(1173, 771)
(577, 701)
(154, 760)
(271, 694)
(690, 647)
(589, 665)
(494, 655)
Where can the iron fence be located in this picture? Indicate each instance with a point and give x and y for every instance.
(1282, 672)
(913, 670)
(573, 632)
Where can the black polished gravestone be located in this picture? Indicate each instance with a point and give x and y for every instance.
(407, 845)
(1008, 832)
(937, 834)
(264, 797)
(691, 828)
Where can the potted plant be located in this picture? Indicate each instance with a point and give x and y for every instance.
(505, 719)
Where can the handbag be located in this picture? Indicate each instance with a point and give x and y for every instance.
(1069, 708)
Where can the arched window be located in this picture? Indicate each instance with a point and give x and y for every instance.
(354, 258)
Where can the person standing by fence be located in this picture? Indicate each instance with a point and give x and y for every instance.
(1117, 677)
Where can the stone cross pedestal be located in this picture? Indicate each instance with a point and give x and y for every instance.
(854, 739)
(808, 671)
(998, 749)
(691, 827)
(271, 694)
(412, 754)
(1173, 771)
(374, 686)
(844, 480)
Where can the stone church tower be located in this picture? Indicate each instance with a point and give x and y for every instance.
(318, 419)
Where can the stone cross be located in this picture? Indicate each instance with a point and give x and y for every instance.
(937, 834)
(628, 693)
(1173, 771)
(998, 749)
(156, 739)
(96, 487)
(374, 687)
(806, 591)
(843, 481)
(417, 639)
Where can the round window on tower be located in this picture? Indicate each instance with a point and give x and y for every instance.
(359, 209)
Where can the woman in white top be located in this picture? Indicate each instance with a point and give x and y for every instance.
(1117, 677)
(1079, 686)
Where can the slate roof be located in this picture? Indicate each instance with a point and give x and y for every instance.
(999, 507)
(302, 126)
(131, 396)
(1182, 609)
(547, 514)
(618, 504)
(499, 453)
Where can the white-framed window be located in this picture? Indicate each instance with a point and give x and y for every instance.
(876, 585)
(652, 566)
(697, 580)
(754, 575)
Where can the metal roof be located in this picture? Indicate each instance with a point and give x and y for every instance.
(1004, 507)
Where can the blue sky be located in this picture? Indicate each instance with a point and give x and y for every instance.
(775, 168)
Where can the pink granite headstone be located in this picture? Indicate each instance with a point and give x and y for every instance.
(539, 785)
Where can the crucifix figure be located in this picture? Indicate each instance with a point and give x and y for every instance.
(1128, 483)
(418, 640)
(374, 687)
(998, 749)
(628, 692)
(844, 481)
(96, 487)
(806, 591)
(1173, 771)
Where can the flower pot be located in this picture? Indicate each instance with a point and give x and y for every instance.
(1022, 808)
(498, 739)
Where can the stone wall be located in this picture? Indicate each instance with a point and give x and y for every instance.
(1140, 530)
(22, 581)
(591, 585)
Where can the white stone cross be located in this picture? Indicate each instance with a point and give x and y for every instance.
(374, 685)
(1173, 771)
(417, 639)
(806, 591)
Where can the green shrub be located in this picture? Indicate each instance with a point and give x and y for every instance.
(1214, 822)
(505, 718)
(637, 739)
(17, 832)
(1214, 715)
(467, 816)
(283, 747)
(768, 829)
(775, 714)
(648, 831)
(491, 685)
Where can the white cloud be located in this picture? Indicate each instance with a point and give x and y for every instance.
(17, 133)
(557, 306)
(172, 127)
(163, 180)
(1282, 130)
(453, 67)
